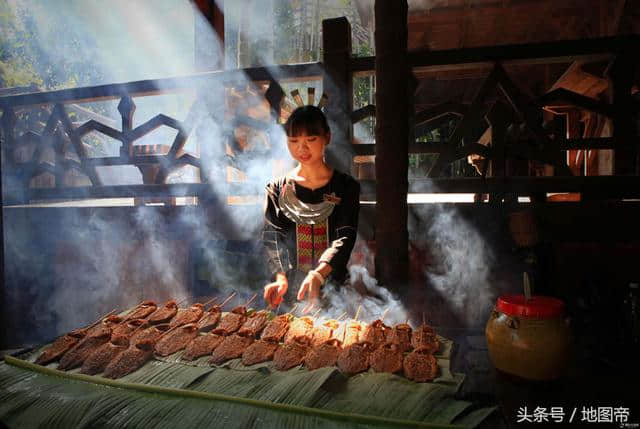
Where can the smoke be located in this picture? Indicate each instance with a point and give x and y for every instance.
(459, 263)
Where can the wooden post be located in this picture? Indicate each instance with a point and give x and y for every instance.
(622, 76)
(337, 83)
(208, 44)
(498, 117)
(7, 141)
(392, 143)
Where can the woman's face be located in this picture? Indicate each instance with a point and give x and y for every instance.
(308, 149)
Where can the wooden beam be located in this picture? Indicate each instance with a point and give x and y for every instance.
(622, 74)
(576, 100)
(432, 113)
(392, 140)
(337, 83)
(598, 186)
(363, 113)
(204, 81)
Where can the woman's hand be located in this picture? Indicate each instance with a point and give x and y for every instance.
(273, 292)
(311, 287)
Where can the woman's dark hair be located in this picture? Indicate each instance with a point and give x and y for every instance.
(308, 119)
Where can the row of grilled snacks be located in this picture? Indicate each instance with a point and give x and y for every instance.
(119, 345)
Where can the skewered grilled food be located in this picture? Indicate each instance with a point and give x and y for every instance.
(231, 347)
(323, 355)
(401, 335)
(210, 319)
(142, 310)
(126, 328)
(108, 322)
(60, 346)
(352, 332)
(98, 360)
(259, 351)
(130, 359)
(301, 326)
(386, 358)
(292, 353)
(354, 358)
(76, 356)
(202, 345)
(254, 324)
(176, 340)
(420, 365)
(153, 334)
(232, 321)
(425, 337)
(376, 333)
(164, 314)
(322, 333)
(276, 328)
(187, 315)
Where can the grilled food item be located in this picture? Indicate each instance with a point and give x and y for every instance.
(276, 328)
(130, 359)
(301, 326)
(401, 335)
(376, 333)
(210, 319)
(231, 347)
(187, 315)
(142, 310)
(76, 356)
(259, 351)
(176, 340)
(98, 360)
(386, 358)
(108, 322)
(152, 333)
(420, 365)
(425, 337)
(232, 321)
(254, 324)
(354, 358)
(164, 314)
(352, 332)
(202, 345)
(322, 333)
(292, 353)
(127, 328)
(325, 354)
(60, 346)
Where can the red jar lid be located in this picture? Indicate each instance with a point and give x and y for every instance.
(537, 306)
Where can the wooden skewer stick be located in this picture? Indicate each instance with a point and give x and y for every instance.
(384, 313)
(181, 302)
(355, 319)
(316, 313)
(214, 299)
(423, 319)
(228, 299)
(341, 316)
(101, 319)
(293, 309)
(251, 299)
(278, 308)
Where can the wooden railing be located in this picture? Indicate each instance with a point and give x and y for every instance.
(337, 70)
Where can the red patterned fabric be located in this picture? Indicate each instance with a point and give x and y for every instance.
(311, 242)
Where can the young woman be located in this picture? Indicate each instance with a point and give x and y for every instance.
(311, 215)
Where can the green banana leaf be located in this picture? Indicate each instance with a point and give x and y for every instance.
(169, 392)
